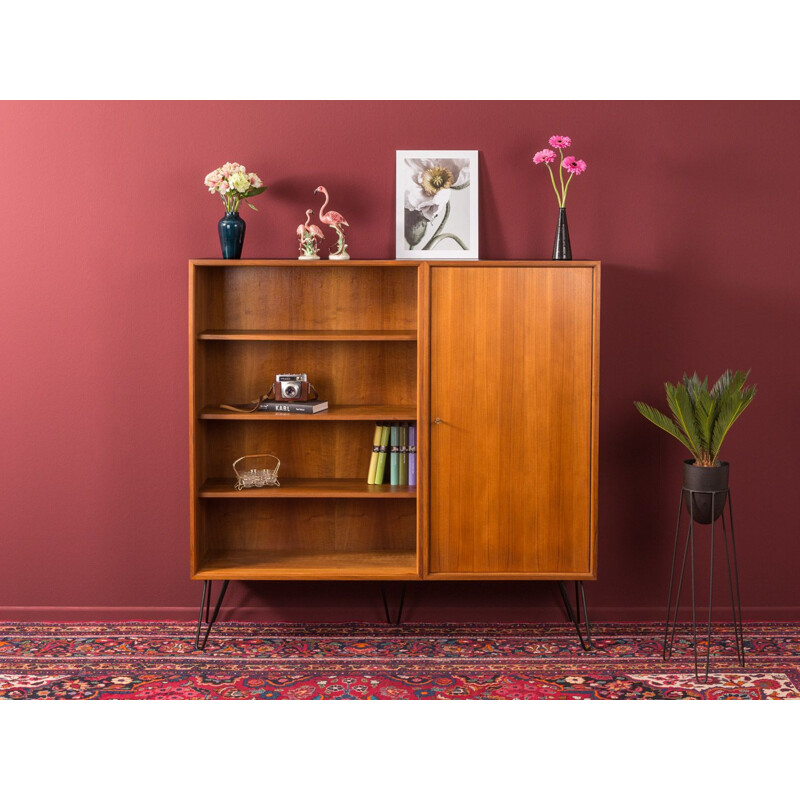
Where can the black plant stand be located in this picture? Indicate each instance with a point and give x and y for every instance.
(717, 497)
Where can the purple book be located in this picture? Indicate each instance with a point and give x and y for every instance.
(412, 455)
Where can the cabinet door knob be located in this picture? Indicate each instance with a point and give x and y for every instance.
(437, 421)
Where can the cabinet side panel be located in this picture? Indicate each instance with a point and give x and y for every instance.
(194, 294)
(423, 413)
(511, 367)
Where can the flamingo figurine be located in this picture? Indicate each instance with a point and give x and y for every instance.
(335, 220)
(308, 235)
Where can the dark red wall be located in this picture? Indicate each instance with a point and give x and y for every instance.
(691, 206)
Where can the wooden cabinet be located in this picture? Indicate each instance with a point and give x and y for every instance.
(503, 355)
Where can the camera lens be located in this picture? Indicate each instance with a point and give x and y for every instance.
(290, 390)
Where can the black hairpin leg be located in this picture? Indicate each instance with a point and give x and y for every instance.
(574, 618)
(669, 641)
(733, 581)
(386, 605)
(205, 602)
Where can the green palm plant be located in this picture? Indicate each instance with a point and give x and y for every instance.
(701, 418)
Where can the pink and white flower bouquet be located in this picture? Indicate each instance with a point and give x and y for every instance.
(570, 164)
(234, 183)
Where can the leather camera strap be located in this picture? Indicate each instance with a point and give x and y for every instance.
(249, 408)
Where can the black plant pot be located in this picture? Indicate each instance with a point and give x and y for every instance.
(705, 482)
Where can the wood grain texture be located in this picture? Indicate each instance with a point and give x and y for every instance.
(253, 565)
(326, 296)
(353, 329)
(318, 530)
(306, 449)
(310, 336)
(596, 281)
(197, 299)
(355, 488)
(505, 353)
(296, 264)
(337, 413)
(343, 372)
(511, 462)
(423, 414)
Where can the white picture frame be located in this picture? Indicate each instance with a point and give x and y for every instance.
(436, 205)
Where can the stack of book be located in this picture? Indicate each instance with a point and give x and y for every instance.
(398, 441)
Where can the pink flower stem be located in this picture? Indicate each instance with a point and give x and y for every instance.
(563, 199)
(553, 181)
(569, 180)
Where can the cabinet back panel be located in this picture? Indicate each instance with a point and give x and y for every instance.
(306, 449)
(299, 297)
(510, 471)
(313, 526)
(343, 372)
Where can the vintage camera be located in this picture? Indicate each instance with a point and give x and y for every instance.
(291, 388)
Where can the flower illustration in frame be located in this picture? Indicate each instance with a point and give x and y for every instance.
(437, 204)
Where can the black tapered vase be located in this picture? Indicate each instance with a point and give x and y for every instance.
(710, 487)
(562, 250)
(231, 234)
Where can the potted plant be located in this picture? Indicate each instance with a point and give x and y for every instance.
(700, 421)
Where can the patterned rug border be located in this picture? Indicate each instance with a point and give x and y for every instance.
(147, 659)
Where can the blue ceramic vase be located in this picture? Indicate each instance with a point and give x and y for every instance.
(562, 250)
(231, 234)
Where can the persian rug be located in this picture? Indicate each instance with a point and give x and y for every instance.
(361, 661)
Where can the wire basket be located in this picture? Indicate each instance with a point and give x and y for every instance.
(259, 474)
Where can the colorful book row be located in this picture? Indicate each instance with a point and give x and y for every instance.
(398, 442)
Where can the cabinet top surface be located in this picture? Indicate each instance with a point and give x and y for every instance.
(412, 263)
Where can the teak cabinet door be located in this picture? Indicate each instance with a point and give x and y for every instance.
(511, 407)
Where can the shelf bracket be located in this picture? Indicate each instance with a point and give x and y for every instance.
(574, 618)
(205, 603)
(386, 605)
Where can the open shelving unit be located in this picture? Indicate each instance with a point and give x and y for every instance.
(355, 329)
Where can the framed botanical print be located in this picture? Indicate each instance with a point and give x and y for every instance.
(437, 204)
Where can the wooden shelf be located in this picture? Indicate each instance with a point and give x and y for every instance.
(306, 336)
(334, 414)
(354, 488)
(334, 266)
(304, 565)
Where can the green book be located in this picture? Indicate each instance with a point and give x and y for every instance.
(403, 455)
(373, 459)
(394, 456)
(380, 466)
